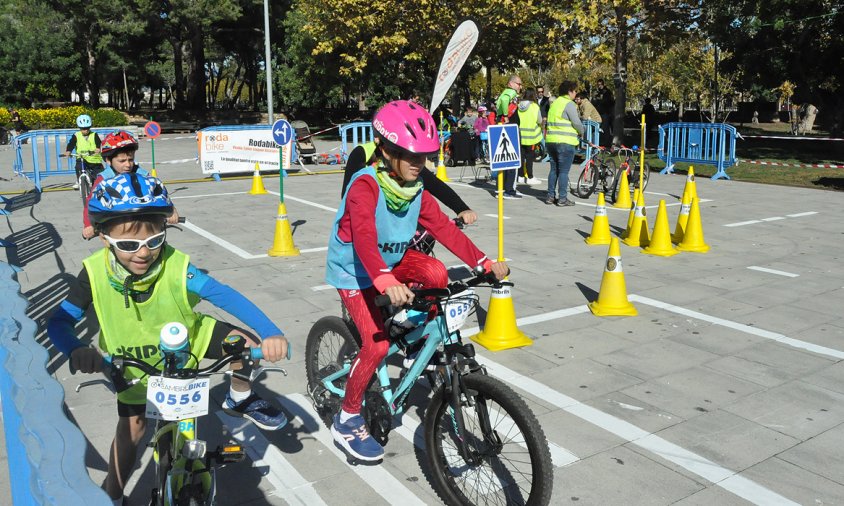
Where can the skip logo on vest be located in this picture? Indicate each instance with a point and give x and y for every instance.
(393, 247)
(139, 352)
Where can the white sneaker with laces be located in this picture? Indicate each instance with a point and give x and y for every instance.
(534, 181)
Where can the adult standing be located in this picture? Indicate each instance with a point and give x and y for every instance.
(530, 134)
(502, 109)
(605, 103)
(564, 128)
(586, 110)
(544, 105)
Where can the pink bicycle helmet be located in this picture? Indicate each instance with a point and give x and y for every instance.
(407, 126)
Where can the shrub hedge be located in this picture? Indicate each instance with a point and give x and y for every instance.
(64, 117)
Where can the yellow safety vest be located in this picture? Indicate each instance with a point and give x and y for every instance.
(529, 130)
(135, 331)
(560, 130)
(85, 145)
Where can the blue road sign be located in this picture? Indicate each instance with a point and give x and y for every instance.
(282, 132)
(504, 147)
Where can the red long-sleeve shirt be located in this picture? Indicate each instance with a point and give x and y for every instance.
(358, 226)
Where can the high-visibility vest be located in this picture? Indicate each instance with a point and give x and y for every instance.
(560, 130)
(86, 146)
(529, 130)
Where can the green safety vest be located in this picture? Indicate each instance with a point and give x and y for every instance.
(529, 130)
(369, 148)
(135, 331)
(560, 130)
(86, 145)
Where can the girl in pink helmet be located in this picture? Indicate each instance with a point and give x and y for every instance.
(368, 251)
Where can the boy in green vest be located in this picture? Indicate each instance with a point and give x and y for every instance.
(137, 284)
(87, 145)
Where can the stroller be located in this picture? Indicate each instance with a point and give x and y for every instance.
(305, 147)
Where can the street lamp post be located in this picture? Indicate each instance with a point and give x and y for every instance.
(267, 63)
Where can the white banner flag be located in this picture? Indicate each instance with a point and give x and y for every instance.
(456, 53)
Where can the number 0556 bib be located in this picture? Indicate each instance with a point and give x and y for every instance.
(172, 399)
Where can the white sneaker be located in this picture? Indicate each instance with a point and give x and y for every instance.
(521, 180)
(534, 181)
(76, 186)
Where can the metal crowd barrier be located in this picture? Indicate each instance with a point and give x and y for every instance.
(354, 134)
(698, 143)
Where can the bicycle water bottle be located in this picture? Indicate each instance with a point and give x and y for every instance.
(174, 339)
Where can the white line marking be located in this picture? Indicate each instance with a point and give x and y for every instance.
(312, 250)
(795, 343)
(221, 242)
(303, 201)
(773, 271)
(773, 218)
(206, 195)
(538, 318)
(321, 288)
(496, 216)
(742, 223)
(165, 162)
(697, 464)
(385, 484)
(288, 483)
(798, 215)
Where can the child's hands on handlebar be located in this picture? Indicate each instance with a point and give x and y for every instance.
(274, 348)
(399, 294)
(86, 359)
(500, 270)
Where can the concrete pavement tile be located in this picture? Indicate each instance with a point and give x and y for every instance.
(641, 414)
(585, 379)
(727, 439)
(820, 455)
(733, 279)
(791, 362)
(786, 319)
(655, 359)
(678, 290)
(636, 480)
(795, 483)
(712, 494)
(825, 334)
(717, 339)
(831, 378)
(576, 435)
(799, 409)
(566, 346)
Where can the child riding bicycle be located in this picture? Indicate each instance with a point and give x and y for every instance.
(86, 144)
(138, 283)
(368, 250)
(118, 149)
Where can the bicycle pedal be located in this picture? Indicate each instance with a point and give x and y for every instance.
(229, 454)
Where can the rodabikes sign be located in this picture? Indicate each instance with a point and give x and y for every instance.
(456, 53)
(231, 151)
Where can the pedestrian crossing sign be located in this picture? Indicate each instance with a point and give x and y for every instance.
(504, 147)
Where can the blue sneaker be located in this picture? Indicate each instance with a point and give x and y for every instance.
(262, 413)
(353, 436)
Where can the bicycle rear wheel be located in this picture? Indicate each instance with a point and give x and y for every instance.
(645, 176)
(587, 180)
(331, 342)
(510, 461)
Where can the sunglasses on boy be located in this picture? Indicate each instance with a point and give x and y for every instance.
(132, 245)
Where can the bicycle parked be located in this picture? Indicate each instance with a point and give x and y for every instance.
(599, 167)
(628, 163)
(178, 395)
(483, 443)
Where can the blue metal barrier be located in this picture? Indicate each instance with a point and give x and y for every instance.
(44, 148)
(354, 134)
(46, 452)
(592, 133)
(229, 128)
(698, 143)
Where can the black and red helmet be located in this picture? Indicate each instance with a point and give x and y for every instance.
(119, 140)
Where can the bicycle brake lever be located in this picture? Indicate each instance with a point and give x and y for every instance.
(89, 383)
(256, 372)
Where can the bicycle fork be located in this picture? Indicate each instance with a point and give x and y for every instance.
(460, 396)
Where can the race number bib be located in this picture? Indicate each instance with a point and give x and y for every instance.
(457, 309)
(172, 399)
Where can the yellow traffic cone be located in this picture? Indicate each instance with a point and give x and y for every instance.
(631, 215)
(660, 244)
(283, 240)
(691, 186)
(500, 331)
(153, 173)
(693, 238)
(612, 299)
(682, 219)
(637, 234)
(257, 182)
(622, 198)
(600, 225)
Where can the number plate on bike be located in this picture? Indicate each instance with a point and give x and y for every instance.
(457, 309)
(172, 399)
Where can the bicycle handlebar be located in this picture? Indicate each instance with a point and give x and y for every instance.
(452, 288)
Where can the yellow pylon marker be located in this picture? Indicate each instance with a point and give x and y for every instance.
(682, 219)
(153, 173)
(637, 234)
(612, 299)
(660, 244)
(693, 238)
(283, 240)
(500, 331)
(600, 225)
(622, 198)
(691, 186)
(257, 182)
(631, 214)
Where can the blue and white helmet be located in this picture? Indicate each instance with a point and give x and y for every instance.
(83, 121)
(128, 195)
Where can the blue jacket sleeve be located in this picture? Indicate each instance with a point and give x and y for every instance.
(231, 301)
(61, 325)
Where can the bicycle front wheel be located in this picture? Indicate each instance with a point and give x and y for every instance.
(84, 188)
(645, 175)
(331, 342)
(509, 461)
(587, 180)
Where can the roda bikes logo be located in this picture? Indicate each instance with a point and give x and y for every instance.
(216, 141)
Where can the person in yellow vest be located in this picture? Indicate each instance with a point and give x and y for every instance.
(564, 128)
(137, 284)
(530, 134)
(87, 145)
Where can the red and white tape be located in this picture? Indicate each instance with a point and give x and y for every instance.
(792, 138)
(816, 166)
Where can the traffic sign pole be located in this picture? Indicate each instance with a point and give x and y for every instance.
(152, 130)
(280, 175)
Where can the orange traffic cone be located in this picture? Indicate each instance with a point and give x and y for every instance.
(500, 331)
(693, 238)
(637, 234)
(600, 225)
(631, 215)
(257, 182)
(612, 299)
(660, 244)
(622, 198)
(691, 186)
(283, 239)
(682, 219)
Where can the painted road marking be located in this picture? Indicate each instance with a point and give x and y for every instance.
(303, 201)
(773, 218)
(288, 483)
(799, 215)
(773, 271)
(321, 288)
(627, 209)
(496, 216)
(206, 195)
(237, 250)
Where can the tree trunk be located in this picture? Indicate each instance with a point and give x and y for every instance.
(488, 96)
(620, 76)
(178, 73)
(92, 81)
(196, 70)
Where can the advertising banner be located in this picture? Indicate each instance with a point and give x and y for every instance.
(231, 151)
